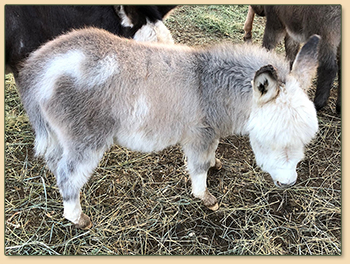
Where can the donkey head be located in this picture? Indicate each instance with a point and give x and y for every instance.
(283, 119)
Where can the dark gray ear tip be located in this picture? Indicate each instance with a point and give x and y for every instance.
(312, 43)
(268, 69)
(310, 48)
(315, 39)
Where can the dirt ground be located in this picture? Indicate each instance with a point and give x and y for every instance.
(141, 204)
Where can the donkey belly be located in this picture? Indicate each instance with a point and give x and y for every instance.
(144, 129)
(144, 141)
(153, 121)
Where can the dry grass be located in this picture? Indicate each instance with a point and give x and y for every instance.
(141, 204)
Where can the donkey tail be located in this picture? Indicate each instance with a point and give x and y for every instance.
(44, 135)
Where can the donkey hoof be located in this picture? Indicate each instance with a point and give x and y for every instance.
(210, 201)
(215, 207)
(320, 102)
(84, 222)
(218, 164)
(248, 37)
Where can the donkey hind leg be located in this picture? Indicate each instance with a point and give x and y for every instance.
(73, 171)
(199, 160)
(248, 25)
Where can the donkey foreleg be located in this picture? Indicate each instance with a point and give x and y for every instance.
(73, 213)
(199, 160)
(326, 73)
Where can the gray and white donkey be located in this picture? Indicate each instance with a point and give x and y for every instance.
(89, 89)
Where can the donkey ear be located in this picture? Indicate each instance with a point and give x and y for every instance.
(265, 84)
(305, 65)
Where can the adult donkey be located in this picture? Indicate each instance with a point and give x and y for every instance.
(89, 89)
(296, 23)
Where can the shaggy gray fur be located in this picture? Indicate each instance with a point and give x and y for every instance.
(89, 89)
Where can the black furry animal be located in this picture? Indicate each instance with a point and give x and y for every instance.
(27, 27)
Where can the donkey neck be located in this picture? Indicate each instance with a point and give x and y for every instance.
(225, 86)
(225, 73)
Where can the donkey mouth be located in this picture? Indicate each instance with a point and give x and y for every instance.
(284, 185)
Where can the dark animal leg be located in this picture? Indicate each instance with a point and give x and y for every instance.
(292, 48)
(248, 25)
(274, 29)
(326, 73)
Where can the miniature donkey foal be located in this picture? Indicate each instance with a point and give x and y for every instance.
(89, 89)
